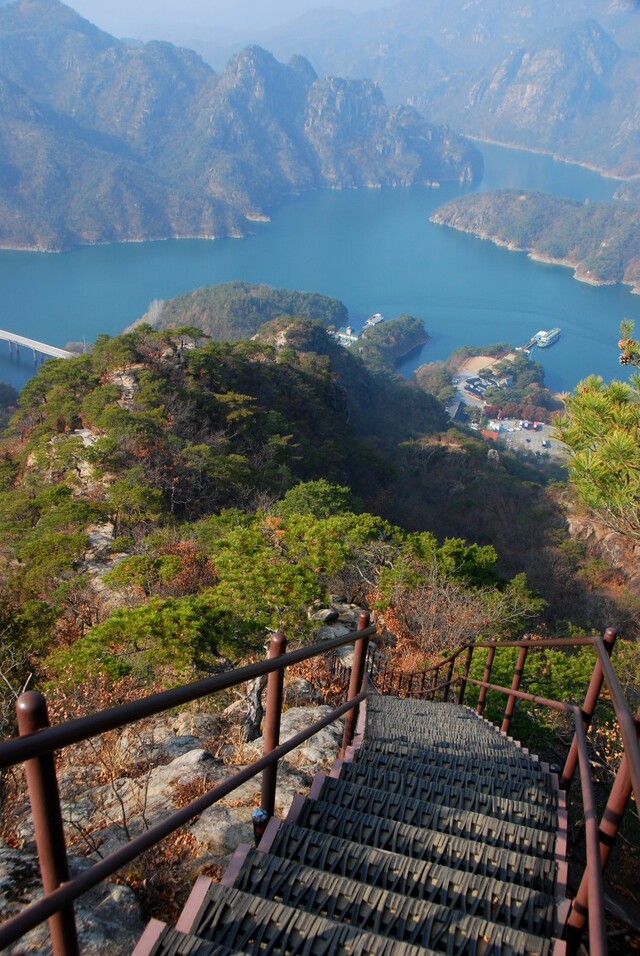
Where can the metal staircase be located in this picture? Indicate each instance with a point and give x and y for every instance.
(436, 834)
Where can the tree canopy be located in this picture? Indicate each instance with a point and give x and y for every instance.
(601, 428)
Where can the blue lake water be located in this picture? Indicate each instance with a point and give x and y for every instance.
(374, 249)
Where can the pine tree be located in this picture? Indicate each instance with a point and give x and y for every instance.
(601, 428)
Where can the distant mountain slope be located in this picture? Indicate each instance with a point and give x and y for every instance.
(103, 141)
(601, 241)
(562, 77)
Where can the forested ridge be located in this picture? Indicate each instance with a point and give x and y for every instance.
(601, 241)
(165, 501)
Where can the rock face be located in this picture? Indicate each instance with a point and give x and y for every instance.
(115, 788)
(560, 77)
(104, 142)
(108, 918)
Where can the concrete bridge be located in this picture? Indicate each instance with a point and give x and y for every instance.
(15, 341)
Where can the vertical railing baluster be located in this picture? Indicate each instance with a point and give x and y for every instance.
(434, 683)
(608, 832)
(486, 677)
(357, 677)
(515, 685)
(271, 734)
(447, 686)
(467, 668)
(44, 796)
(588, 707)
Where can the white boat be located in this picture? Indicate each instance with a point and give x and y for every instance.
(544, 339)
(374, 319)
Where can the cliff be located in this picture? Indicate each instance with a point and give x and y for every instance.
(104, 141)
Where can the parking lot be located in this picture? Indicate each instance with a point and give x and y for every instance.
(536, 442)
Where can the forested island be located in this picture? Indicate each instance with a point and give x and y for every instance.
(600, 241)
(228, 311)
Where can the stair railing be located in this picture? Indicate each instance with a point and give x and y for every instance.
(588, 906)
(38, 741)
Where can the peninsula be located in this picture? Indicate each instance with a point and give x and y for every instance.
(599, 241)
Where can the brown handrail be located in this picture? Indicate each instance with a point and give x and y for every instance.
(19, 749)
(37, 912)
(39, 745)
(624, 717)
(40, 741)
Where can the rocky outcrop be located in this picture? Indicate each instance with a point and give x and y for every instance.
(114, 788)
(108, 917)
(108, 142)
(619, 551)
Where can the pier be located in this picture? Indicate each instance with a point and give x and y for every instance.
(38, 348)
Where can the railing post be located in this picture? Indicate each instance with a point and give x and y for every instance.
(588, 707)
(434, 683)
(271, 734)
(447, 686)
(422, 683)
(486, 677)
(467, 668)
(357, 675)
(515, 685)
(609, 826)
(42, 784)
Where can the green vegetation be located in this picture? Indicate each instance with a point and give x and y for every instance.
(601, 241)
(601, 428)
(163, 503)
(8, 401)
(380, 346)
(236, 310)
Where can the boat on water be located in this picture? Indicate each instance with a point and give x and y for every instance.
(544, 339)
(374, 319)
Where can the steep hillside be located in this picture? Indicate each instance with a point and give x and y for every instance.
(562, 77)
(600, 241)
(103, 141)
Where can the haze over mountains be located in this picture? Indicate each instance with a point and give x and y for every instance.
(562, 77)
(106, 141)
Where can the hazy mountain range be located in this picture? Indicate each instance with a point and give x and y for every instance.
(563, 77)
(101, 140)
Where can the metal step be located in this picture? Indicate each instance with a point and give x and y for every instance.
(253, 925)
(507, 800)
(509, 766)
(432, 816)
(442, 895)
(471, 856)
(489, 749)
(161, 940)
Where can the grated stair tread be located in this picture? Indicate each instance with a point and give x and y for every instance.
(254, 925)
(391, 869)
(507, 767)
(432, 816)
(477, 856)
(490, 749)
(463, 791)
(443, 897)
(174, 943)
